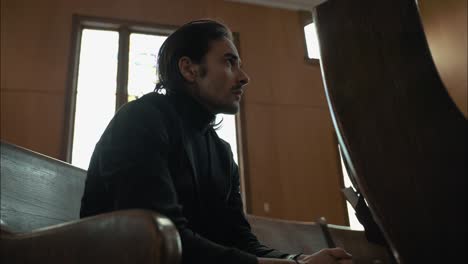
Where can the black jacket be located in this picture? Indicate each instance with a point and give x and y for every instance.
(146, 159)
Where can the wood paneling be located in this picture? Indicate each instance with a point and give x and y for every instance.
(35, 46)
(402, 136)
(445, 25)
(293, 158)
(288, 132)
(33, 119)
(38, 191)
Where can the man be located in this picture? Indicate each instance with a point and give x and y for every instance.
(161, 153)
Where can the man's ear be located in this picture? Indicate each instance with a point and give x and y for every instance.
(188, 69)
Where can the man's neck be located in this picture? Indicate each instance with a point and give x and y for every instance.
(193, 112)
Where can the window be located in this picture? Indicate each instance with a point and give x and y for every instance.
(310, 37)
(312, 44)
(227, 131)
(95, 93)
(353, 221)
(142, 72)
(114, 63)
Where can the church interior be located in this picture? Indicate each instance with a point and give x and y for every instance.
(287, 141)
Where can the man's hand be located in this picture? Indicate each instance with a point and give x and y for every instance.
(327, 256)
(324, 256)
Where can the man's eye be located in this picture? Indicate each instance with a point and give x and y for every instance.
(231, 62)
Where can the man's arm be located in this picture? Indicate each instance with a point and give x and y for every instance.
(247, 241)
(241, 232)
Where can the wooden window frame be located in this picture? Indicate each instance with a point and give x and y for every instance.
(124, 28)
(241, 139)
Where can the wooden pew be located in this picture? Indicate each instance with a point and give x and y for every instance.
(288, 236)
(309, 237)
(355, 242)
(40, 201)
(401, 135)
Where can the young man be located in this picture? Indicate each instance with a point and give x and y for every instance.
(161, 153)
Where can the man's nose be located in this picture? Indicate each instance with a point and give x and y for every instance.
(244, 78)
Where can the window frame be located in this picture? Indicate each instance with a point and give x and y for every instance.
(241, 139)
(124, 28)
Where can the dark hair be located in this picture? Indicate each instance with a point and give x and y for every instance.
(192, 40)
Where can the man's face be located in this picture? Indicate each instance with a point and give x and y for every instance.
(220, 81)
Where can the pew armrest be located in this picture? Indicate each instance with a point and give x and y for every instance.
(131, 236)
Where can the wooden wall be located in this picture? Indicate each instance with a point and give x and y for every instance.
(445, 24)
(292, 156)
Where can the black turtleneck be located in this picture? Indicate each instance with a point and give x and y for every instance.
(199, 122)
(161, 153)
(192, 112)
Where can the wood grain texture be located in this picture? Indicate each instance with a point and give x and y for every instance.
(402, 135)
(294, 167)
(129, 236)
(445, 25)
(31, 117)
(38, 191)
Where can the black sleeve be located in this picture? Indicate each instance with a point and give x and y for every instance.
(240, 228)
(131, 160)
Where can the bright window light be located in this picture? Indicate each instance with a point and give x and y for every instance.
(142, 71)
(95, 99)
(353, 221)
(227, 131)
(312, 41)
(97, 84)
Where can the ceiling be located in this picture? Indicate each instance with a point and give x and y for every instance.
(286, 4)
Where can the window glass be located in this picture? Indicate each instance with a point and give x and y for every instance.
(313, 51)
(353, 221)
(97, 84)
(142, 71)
(96, 87)
(227, 131)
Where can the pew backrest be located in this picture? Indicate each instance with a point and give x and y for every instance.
(355, 242)
(402, 137)
(288, 236)
(37, 191)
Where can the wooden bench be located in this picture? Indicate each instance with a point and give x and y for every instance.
(309, 237)
(40, 201)
(401, 135)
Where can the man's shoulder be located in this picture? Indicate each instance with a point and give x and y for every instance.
(151, 104)
(219, 141)
(152, 112)
(148, 119)
(154, 101)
